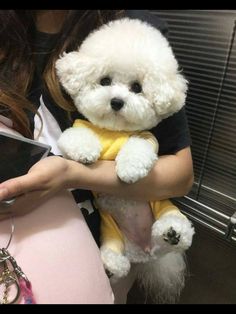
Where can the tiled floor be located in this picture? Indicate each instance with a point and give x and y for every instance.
(212, 266)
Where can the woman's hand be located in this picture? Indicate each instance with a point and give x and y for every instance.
(43, 180)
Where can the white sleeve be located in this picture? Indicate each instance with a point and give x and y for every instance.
(6, 125)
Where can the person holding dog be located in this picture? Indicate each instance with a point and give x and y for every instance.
(28, 86)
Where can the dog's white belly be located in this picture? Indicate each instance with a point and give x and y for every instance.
(134, 218)
(136, 222)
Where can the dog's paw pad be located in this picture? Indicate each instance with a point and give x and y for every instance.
(171, 236)
(109, 273)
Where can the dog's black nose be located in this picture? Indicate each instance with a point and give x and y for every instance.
(117, 104)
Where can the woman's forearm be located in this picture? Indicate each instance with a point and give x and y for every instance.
(171, 176)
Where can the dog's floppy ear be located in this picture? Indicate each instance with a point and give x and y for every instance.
(170, 94)
(72, 69)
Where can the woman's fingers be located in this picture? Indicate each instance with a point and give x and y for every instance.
(47, 175)
(3, 193)
(23, 204)
(5, 213)
(18, 186)
(6, 210)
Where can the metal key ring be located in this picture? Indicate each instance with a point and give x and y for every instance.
(17, 291)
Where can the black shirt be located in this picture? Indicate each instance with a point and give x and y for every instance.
(172, 133)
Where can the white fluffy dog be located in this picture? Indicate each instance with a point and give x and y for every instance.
(124, 80)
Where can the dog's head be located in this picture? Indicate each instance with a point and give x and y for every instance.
(124, 76)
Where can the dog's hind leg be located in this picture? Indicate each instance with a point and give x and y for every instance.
(113, 247)
(172, 231)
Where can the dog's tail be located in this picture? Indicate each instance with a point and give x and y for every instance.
(163, 278)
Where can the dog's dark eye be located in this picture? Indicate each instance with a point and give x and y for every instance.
(136, 87)
(105, 81)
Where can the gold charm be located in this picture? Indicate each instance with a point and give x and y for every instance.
(7, 279)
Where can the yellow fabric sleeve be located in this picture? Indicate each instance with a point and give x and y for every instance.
(148, 136)
(111, 236)
(160, 208)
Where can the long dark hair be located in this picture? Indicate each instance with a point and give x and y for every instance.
(17, 60)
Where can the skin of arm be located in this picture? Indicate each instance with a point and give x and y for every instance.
(172, 176)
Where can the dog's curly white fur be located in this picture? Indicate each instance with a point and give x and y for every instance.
(124, 77)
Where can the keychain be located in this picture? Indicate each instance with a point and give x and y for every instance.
(12, 275)
(7, 279)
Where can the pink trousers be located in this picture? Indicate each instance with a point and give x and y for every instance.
(55, 249)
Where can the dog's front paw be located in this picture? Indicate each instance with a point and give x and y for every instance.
(172, 232)
(85, 155)
(80, 144)
(130, 171)
(135, 160)
(115, 264)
